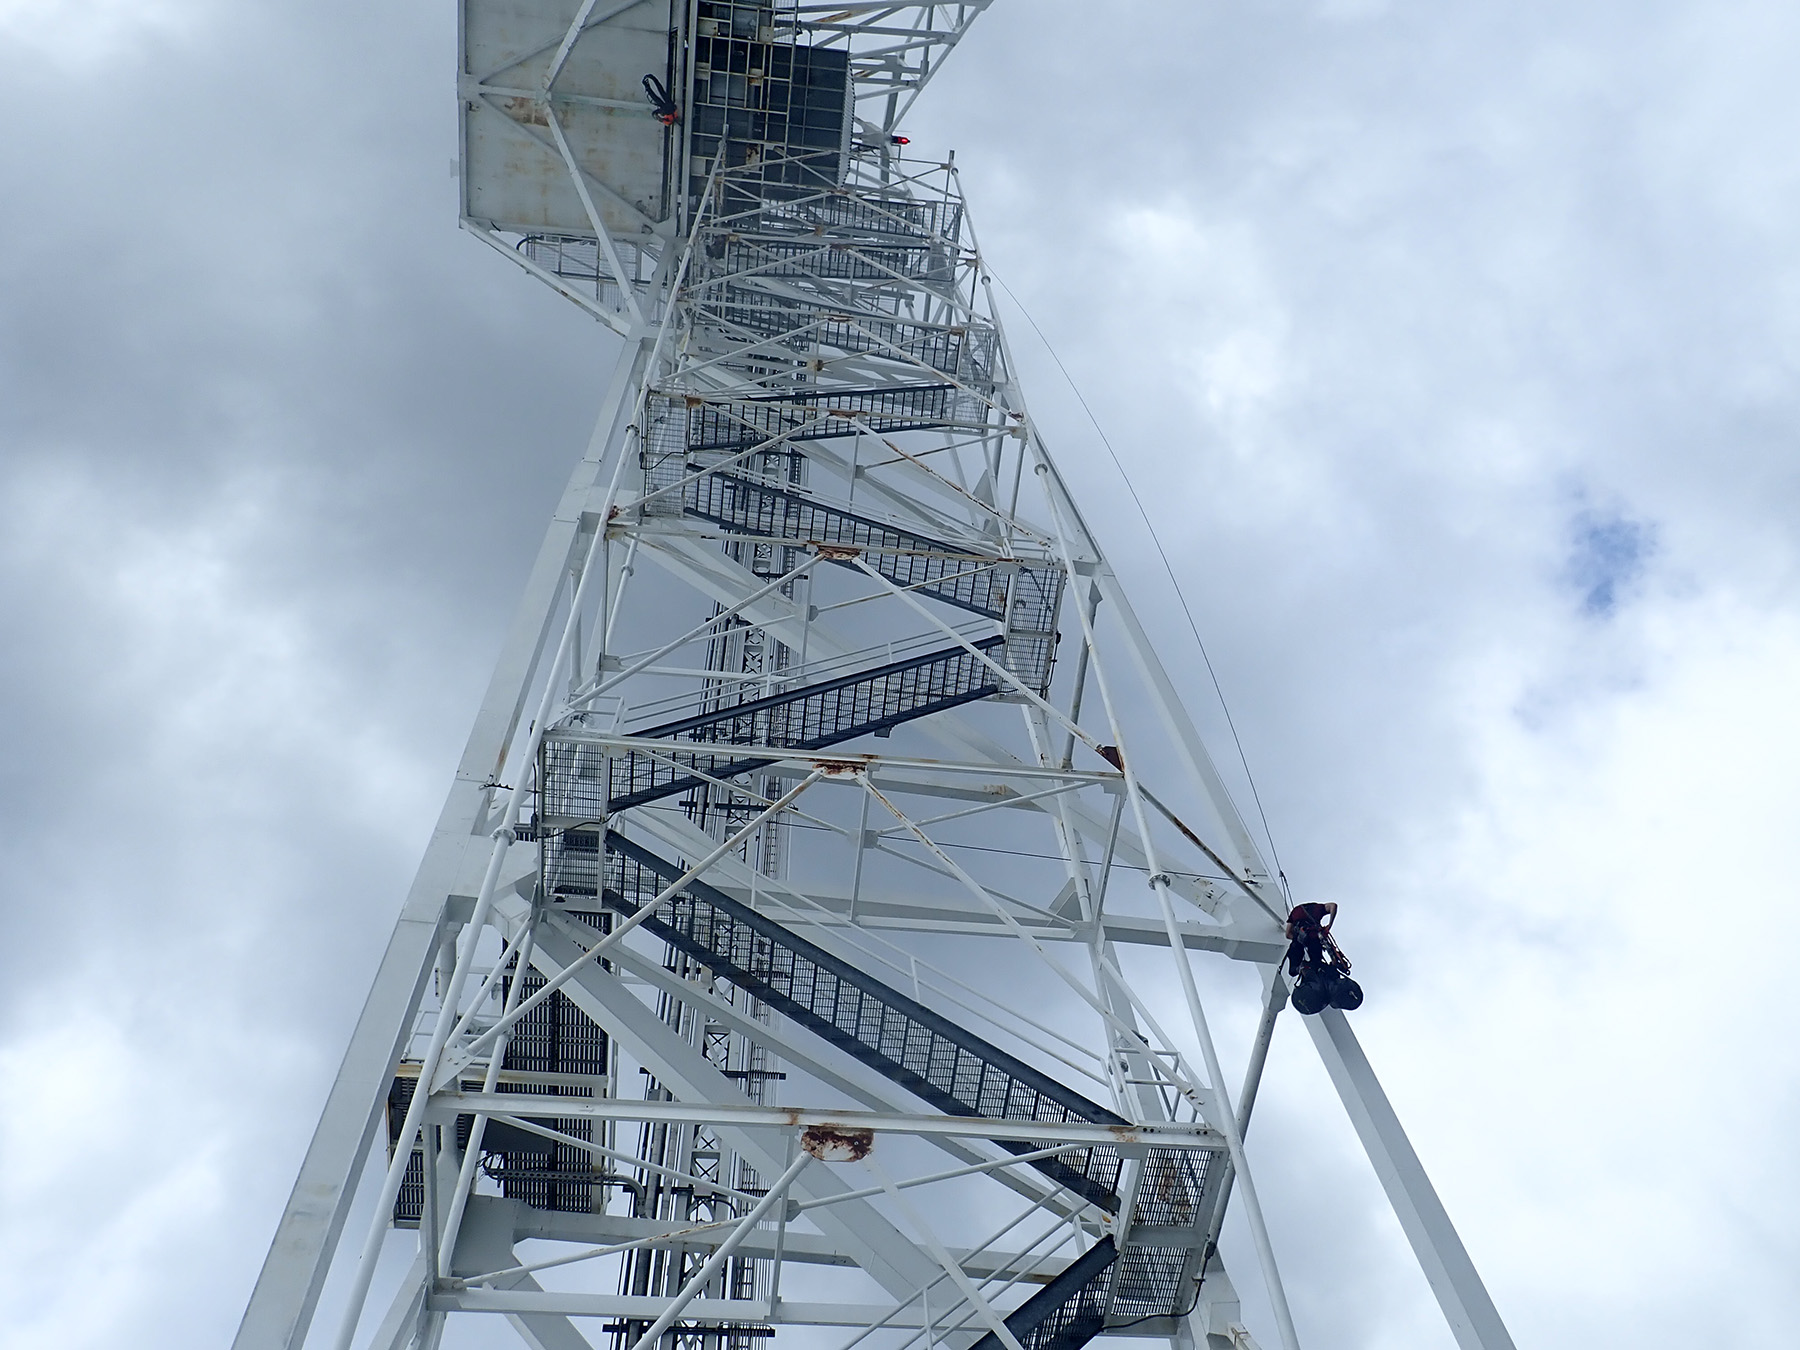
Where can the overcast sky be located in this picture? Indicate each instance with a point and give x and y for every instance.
(1452, 348)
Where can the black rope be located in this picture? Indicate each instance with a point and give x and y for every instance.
(663, 106)
(1169, 567)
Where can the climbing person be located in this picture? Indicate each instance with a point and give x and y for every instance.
(1308, 933)
(1316, 964)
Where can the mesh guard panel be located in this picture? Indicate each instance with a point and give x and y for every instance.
(935, 1059)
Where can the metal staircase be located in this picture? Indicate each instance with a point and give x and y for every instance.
(582, 785)
(1023, 595)
(557, 1051)
(1068, 1312)
(948, 1066)
(1169, 1210)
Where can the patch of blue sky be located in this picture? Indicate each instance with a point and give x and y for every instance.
(1608, 554)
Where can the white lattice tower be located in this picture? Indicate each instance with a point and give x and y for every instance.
(787, 958)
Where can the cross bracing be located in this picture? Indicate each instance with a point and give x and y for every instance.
(812, 944)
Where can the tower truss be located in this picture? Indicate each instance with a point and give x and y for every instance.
(814, 941)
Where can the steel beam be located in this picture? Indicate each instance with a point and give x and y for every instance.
(1157, 1134)
(1473, 1319)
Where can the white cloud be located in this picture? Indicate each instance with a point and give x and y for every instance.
(1592, 1046)
(81, 35)
(108, 1173)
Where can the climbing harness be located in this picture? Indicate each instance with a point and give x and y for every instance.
(1318, 966)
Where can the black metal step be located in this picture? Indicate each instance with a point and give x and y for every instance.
(680, 424)
(930, 1056)
(575, 788)
(860, 216)
(831, 322)
(1068, 1312)
(1104, 1287)
(1025, 596)
(933, 567)
(814, 258)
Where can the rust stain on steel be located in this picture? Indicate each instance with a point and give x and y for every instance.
(524, 110)
(835, 550)
(837, 766)
(827, 1143)
(1192, 838)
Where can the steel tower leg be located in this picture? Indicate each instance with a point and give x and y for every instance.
(1448, 1269)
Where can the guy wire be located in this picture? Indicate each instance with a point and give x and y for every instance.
(1161, 552)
